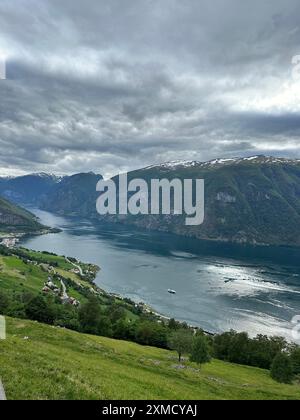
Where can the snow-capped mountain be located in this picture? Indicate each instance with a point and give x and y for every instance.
(28, 189)
(252, 200)
(258, 159)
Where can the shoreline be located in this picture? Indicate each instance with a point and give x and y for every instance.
(148, 309)
(282, 328)
(10, 239)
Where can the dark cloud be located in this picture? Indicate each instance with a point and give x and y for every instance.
(112, 86)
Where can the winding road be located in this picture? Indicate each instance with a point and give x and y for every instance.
(75, 265)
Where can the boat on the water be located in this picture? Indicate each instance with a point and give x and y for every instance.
(172, 292)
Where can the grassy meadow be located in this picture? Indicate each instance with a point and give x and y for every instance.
(46, 362)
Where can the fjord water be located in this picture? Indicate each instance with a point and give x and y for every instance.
(219, 286)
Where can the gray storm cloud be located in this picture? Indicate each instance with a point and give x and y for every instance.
(112, 86)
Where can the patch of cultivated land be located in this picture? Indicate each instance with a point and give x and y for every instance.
(16, 275)
(44, 362)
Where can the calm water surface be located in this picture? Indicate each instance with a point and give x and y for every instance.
(219, 287)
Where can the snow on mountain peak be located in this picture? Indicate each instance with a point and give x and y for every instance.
(257, 159)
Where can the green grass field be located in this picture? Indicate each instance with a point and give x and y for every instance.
(44, 362)
(18, 276)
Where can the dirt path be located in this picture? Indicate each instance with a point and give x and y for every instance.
(2, 392)
(64, 291)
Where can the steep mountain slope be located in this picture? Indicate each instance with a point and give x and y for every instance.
(254, 200)
(15, 219)
(28, 189)
(75, 195)
(54, 363)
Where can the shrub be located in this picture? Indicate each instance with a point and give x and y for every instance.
(151, 334)
(281, 369)
(39, 310)
(4, 302)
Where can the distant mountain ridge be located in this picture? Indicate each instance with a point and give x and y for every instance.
(258, 159)
(253, 200)
(74, 195)
(28, 189)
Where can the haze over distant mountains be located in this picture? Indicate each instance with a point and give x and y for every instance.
(252, 200)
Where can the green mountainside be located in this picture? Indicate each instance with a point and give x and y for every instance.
(14, 219)
(254, 200)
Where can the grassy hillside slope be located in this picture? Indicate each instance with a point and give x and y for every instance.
(15, 219)
(40, 361)
(44, 362)
(17, 276)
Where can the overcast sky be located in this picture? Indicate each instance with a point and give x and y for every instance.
(113, 85)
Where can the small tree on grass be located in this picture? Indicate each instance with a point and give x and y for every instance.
(181, 341)
(200, 353)
(282, 369)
